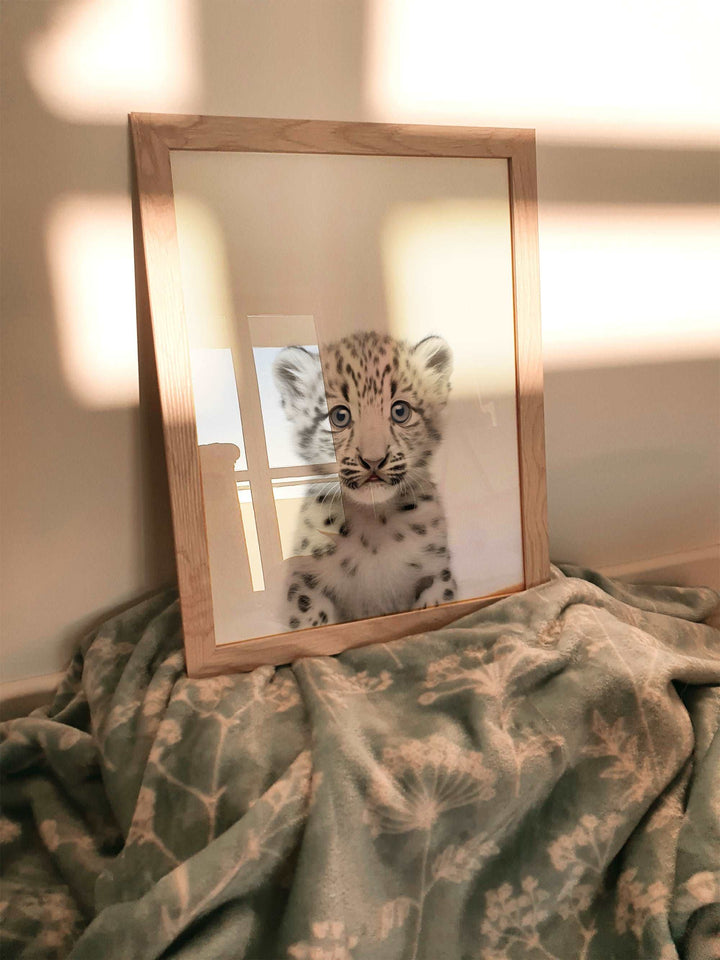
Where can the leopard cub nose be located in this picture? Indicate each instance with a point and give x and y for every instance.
(373, 464)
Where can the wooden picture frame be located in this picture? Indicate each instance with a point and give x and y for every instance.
(155, 139)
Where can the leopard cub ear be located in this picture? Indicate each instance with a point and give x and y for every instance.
(435, 355)
(294, 369)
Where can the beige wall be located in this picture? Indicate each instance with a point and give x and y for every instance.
(628, 185)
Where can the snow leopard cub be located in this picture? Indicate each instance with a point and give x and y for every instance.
(377, 543)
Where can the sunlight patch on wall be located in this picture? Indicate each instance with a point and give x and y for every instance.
(628, 285)
(91, 265)
(205, 274)
(447, 267)
(448, 270)
(99, 59)
(643, 71)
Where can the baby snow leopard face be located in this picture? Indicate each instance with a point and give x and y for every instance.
(374, 406)
(384, 399)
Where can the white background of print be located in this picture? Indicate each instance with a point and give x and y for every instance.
(405, 246)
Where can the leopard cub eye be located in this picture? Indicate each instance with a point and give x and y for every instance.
(340, 416)
(400, 411)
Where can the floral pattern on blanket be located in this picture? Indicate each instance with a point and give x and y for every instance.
(539, 780)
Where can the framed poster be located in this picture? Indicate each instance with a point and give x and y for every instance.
(347, 337)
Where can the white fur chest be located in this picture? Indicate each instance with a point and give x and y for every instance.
(382, 560)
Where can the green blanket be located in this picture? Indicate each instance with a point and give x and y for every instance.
(539, 780)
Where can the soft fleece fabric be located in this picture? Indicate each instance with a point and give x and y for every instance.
(539, 780)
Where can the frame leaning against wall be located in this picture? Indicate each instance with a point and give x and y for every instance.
(154, 137)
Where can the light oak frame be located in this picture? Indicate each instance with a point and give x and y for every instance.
(154, 136)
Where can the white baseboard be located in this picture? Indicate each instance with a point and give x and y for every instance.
(19, 697)
(693, 568)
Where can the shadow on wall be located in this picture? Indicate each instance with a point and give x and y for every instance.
(84, 496)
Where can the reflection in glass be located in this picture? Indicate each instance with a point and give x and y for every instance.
(217, 410)
(251, 537)
(281, 448)
(291, 496)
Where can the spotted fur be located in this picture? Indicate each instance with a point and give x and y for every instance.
(374, 541)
